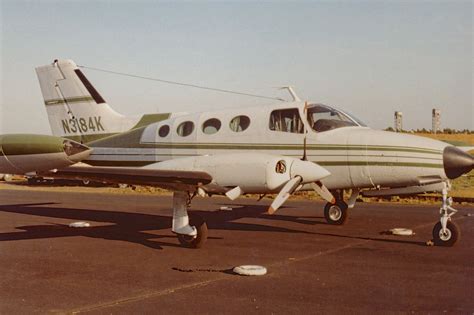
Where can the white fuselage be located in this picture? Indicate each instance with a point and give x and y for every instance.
(356, 156)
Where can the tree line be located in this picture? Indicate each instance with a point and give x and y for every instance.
(443, 131)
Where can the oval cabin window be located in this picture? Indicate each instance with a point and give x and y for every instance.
(164, 131)
(239, 123)
(185, 128)
(211, 126)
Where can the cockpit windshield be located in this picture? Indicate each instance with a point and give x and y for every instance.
(323, 118)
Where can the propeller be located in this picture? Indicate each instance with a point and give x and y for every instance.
(301, 172)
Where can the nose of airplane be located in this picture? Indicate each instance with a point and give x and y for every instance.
(456, 162)
(76, 151)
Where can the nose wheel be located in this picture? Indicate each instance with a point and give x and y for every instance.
(445, 232)
(447, 237)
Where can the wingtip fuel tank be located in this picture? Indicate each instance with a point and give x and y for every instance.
(25, 153)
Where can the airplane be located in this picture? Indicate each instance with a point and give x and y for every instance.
(31, 153)
(279, 148)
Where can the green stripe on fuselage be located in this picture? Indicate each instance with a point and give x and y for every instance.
(440, 159)
(373, 163)
(257, 146)
(322, 163)
(89, 138)
(130, 138)
(149, 119)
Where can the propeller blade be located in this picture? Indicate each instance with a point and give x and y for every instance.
(322, 190)
(285, 193)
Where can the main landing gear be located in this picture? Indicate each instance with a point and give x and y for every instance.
(446, 232)
(336, 213)
(191, 230)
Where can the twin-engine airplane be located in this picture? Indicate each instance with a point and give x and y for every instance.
(280, 148)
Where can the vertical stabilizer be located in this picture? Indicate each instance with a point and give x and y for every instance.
(75, 108)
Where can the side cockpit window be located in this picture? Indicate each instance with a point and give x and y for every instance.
(323, 118)
(286, 120)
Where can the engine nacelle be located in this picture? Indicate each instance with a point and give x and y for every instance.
(252, 172)
(25, 153)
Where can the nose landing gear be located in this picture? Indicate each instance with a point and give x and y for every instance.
(446, 232)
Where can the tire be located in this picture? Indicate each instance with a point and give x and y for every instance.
(453, 234)
(201, 237)
(336, 214)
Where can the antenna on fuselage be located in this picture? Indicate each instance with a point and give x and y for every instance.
(292, 92)
(304, 158)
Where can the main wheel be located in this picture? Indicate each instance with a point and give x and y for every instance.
(336, 213)
(201, 237)
(447, 238)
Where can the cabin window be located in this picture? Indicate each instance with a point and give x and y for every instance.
(286, 120)
(164, 131)
(323, 118)
(185, 128)
(239, 123)
(211, 126)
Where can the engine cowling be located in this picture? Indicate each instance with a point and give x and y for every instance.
(252, 172)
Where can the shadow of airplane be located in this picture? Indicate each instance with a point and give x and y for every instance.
(125, 226)
(131, 227)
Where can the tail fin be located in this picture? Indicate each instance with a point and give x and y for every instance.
(75, 109)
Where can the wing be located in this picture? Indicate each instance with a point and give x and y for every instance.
(169, 179)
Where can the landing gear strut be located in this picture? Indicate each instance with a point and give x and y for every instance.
(192, 232)
(445, 232)
(336, 213)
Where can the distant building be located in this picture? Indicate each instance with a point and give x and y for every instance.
(436, 120)
(398, 121)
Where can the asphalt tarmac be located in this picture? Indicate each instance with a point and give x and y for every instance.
(129, 262)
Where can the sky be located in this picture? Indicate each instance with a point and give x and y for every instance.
(370, 58)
